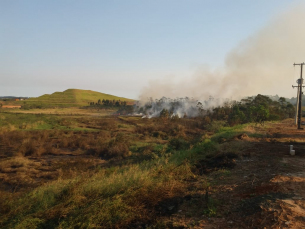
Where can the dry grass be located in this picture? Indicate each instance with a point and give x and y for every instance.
(65, 168)
(17, 162)
(19, 172)
(71, 111)
(125, 197)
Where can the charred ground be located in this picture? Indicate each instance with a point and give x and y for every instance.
(85, 171)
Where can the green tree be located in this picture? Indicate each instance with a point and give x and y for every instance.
(237, 116)
(260, 114)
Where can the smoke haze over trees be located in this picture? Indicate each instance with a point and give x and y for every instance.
(256, 109)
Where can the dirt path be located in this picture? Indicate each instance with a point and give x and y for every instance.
(265, 189)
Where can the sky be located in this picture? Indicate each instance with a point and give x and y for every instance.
(118, 47)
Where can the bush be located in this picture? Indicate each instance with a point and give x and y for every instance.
(118, 150)
(174, 129)
(215, 126)
(179, 144)
(28, 148)
(274, 117)
(117, 147)
(160, 134)
(206, 120)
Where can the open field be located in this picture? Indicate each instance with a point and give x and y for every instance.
(70, 170)
(72, 111)
(67, 98)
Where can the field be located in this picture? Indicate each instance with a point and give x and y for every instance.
(67, 98)
(74, 168)
(70, 111)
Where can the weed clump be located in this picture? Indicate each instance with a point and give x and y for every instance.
(107, 124)
(216, 126)
(28, 147)
(118, 147)
(118, 150)
(179, 144)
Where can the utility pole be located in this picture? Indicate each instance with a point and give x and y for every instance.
(300, 93)
(297, 105)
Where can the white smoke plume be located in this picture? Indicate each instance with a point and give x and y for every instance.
(261, 64)
(181, 107)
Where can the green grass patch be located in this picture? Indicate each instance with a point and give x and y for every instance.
(227, 133)
(104, 200)
(28, 121)
(111, 198)
(69, 98)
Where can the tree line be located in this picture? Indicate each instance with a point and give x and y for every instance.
(108, 103)
(256, 109)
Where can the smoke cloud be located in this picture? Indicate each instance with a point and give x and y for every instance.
(261, 64)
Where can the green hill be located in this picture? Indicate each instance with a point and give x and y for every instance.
(71, 98)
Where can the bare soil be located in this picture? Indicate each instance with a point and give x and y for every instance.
(263, 188)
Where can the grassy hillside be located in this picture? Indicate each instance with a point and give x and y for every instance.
(72, 97)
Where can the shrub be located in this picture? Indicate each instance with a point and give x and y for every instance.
(160, 134)
(206, 120)
(118, 147)
(174, 129)
(274, 117)
(215, 126)
(118, 150)
(108, 124)
(28, 147)
(156, 134)
(179, 144)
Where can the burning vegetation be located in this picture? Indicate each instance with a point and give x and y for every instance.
(257, 109)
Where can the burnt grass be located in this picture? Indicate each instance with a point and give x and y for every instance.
(32, 158)
(202, 174)
(216, 162)
(250, 206)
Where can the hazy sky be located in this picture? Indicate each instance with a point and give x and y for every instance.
(118, 47)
